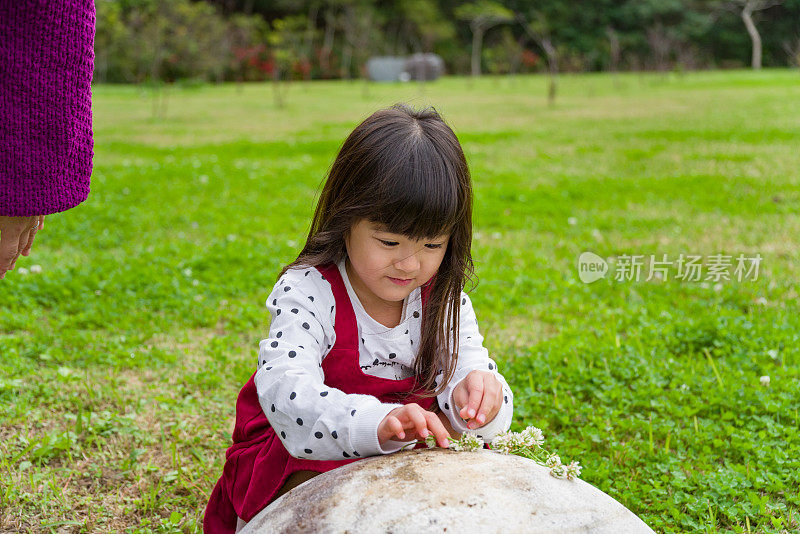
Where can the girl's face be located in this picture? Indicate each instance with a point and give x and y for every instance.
(377, 257)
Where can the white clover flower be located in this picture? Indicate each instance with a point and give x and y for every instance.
(516, 440)
(187, 272)
(761, 301)
(559, 471)
(471, 442)
(573, 470)
(553, 461)
(502, 443)
(572, 221)
(430, 441)
(764, 381)
(532, 437)
(22, 271)
(36, 269)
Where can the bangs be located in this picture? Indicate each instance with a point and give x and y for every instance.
(418, 191)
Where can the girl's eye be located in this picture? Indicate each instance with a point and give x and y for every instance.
(393, 243)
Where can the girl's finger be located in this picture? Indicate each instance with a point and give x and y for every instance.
(420, 424)
(489, 403)
(460, 398)
(41, 222)
(475, 387)
(396, 427)
(438, 429)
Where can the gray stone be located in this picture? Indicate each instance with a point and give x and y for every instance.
(424, 66)
(385, 68)
(439, 490)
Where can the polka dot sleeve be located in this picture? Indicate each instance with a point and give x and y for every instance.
(314, 421)
(472, 355)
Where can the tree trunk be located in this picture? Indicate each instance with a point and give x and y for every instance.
(747, 17)
(308, 42)
(347, 46)
(552, 64)
(347, 55)
(276, 87)
(616, 51)
(327, 42)
(477, 42)
(543, 40)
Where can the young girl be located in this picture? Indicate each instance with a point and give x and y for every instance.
(353, 365)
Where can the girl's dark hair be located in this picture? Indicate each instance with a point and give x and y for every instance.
(404, 169)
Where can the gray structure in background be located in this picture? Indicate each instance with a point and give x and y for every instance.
(421, 67)
(424, 66)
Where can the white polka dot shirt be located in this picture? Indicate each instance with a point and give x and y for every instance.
(318, 422)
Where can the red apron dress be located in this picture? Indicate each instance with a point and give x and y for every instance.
(257, 464)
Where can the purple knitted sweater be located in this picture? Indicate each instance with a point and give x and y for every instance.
(46, 64)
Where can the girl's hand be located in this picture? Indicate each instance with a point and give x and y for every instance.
(478, 398)
(412, 422)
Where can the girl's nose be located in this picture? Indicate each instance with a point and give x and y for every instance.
(409, 264)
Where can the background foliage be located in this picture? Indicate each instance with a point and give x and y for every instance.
(151, 40)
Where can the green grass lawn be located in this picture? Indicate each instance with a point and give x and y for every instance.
(122, 354)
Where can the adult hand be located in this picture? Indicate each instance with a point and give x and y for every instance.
(478, 398)
(412, 422)
(16, 237)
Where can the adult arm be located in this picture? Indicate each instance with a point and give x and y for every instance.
(46, 145)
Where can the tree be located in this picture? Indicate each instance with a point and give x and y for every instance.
(482, 15)
(110, 38)
(792, 49)
(361, 24)
(537, 29)
(748, 7)
(427, 22)
(285, 39)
